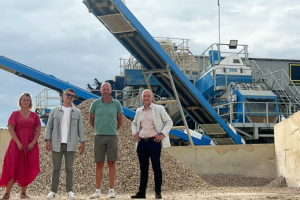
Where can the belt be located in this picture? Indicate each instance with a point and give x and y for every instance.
(148, 139)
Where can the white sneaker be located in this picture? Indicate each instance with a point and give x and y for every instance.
(51, 195)
(111, 193)
(96, 195)
(71, 195)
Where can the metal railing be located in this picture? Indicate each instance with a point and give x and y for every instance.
(188, 63)
(132, 98)
(130, 63)
(45, 100)
(116, 94)
(289, 86)
(222, 79)
(231, 116)
(177, 53)
(205, 63)
(129, 98)
(174, 56)
(286, 90)
(182, 46)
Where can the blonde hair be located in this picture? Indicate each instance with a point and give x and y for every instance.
(25, 94)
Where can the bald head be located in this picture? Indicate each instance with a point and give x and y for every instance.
(147, 97)
(105, 83)
(105, 90)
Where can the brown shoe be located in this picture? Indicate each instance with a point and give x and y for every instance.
(6, 196)
(158, 196)
(24, 196)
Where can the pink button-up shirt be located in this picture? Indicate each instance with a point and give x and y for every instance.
(147, 124)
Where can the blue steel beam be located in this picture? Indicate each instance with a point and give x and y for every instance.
(136, 39)
(205, 140)
(48, 80)
(59, 85)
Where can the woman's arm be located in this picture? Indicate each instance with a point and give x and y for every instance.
(37, 132)
(11, 129)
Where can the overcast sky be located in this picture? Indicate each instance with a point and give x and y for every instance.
(63, 39)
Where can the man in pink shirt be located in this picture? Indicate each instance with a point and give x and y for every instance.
(150, 128)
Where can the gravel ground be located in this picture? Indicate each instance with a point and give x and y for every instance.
(232, 180)
(179, 182)
(236, 193)
(276, 189)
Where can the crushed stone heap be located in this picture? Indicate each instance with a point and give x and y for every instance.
(279, 182)
(176, 176)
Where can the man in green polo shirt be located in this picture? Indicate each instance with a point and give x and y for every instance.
(106, 117)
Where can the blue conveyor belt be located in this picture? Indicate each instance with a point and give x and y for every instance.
(135, 38)
(59, 85)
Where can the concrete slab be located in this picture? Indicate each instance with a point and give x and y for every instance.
(279, 138)
(186, 155)
(287, 141)
(5, 139)
(249, 160)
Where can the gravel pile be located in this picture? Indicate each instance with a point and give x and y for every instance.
(176, 176)
(277, 183)
(232, 180)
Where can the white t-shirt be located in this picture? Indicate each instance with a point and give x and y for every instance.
(65, 124)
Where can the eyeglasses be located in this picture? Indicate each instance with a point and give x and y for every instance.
(70, 95)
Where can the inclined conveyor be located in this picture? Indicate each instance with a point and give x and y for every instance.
(118, 19)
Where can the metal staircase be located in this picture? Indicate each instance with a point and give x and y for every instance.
(281, 85)
(173, 55)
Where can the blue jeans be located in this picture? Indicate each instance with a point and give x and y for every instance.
(145, 150)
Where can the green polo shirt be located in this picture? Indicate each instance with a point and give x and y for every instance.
(105, 121)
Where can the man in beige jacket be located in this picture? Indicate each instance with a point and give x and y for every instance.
(150, 128)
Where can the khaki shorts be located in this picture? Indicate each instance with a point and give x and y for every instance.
(106, 145)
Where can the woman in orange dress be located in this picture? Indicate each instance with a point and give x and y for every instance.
(21, 161)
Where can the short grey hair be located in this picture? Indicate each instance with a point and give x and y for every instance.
(149, 91)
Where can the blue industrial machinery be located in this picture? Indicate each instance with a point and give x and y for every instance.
(59, 85)
(248, 104)
(249, 101)
(258, 105)
(229, 87)
(223, 96)
(117, 86)
(134, 37)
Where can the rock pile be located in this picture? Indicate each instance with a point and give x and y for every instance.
(176, 176)
(277, 183)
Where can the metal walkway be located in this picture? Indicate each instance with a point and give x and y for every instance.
(81, 94)
(134, 37)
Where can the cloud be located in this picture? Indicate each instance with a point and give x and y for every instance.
(63, 39)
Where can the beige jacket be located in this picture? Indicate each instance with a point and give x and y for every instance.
(162, 123)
